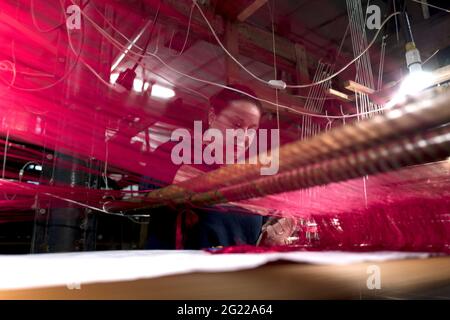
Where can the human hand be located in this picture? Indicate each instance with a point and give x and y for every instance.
(277, 232)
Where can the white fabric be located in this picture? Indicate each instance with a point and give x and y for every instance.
(38, 270)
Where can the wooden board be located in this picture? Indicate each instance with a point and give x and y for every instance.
(357, 87)
(251, 9)
(339, 95)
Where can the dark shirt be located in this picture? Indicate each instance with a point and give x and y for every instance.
(215, 226)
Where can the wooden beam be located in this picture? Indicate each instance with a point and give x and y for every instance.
(256, 53)
(232, 45)
(264, 40)
(257, 37)
(302, 72)
(264, 92)
(251, 9)
(339, 95)
(254, 42)
(357, 87)
(302, 63)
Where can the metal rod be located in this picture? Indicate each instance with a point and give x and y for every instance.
(421, 149)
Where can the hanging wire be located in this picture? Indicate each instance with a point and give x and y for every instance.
(149, 39)
(271, 10)
(291, 85)
(36, 24)
(431, 57)
(69, 71)
(293, 110)
(381, 68)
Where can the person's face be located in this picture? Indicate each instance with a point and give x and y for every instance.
(239, 114)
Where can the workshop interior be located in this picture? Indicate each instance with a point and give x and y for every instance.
(210, 149)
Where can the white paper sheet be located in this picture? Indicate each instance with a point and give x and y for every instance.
(68, 269)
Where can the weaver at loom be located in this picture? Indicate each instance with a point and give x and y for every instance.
(220, 226)
(245, 129)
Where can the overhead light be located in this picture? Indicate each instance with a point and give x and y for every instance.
(113, 77)
(413, 84)
(139, 85)
(416, 82)
(161, 92)
(129, 81)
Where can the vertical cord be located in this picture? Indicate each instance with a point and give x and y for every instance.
(396, 21)
(381, 69)
(187, 34)
(275, 64)
(363, 67)
(105, 170)
(5, 153)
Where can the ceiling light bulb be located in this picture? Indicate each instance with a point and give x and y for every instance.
(137, 85)
(414, 83)
(113, 77)
(162, 92)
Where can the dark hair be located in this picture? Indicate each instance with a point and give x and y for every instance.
(223, 98)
